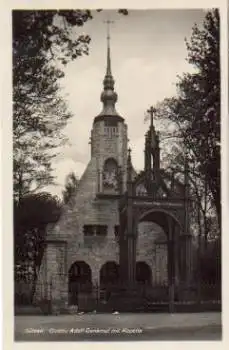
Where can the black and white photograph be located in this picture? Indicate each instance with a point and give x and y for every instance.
(116, 174)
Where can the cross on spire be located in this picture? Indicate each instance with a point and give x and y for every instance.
(151, 112)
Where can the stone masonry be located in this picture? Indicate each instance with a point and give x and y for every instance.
(66, 242)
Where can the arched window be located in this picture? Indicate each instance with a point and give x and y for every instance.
(110, 175)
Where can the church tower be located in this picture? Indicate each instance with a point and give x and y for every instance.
(109, 138)
(82, 249)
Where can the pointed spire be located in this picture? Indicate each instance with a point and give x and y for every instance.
(129, 156)
(153, 134)
(108, 96)
(129, 166)
(108, 49)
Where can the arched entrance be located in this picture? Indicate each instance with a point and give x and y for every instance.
(109, 274)
(163, 218)
(152, 244)
(166, 246)
(109, 278)
(79, 280)
(143, 273)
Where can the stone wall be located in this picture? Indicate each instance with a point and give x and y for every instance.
(87, 209)
(110, 142)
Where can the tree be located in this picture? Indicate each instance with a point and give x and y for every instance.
(210, 263)
(195, 111)
(43, 41)
(31, 217)
(71, 186)
(39, 113)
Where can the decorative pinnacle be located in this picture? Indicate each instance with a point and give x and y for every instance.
(186, 164)
(151, 112)
(152, 136)
(129, 165)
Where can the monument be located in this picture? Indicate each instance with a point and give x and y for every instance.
(120, 228)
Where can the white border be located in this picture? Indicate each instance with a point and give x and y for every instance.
(6, 193)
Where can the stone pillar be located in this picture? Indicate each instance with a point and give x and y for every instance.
(101, 180)
(122, 250)
(95, 276)
(171, 265)
(131, 259)
(95, 285)
(56, 273)
(130, 233)
(176, 255)
(131, 243)
(188, 258)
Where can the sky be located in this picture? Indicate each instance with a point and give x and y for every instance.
(148, 51)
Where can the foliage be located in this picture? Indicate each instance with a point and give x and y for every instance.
(195, 113)
(43, 42)
(71, 186)
(210, 263)
(31, 217)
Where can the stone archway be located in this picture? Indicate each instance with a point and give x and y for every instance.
(143, 273)
(109, 274)
(151, 246)
(109, 278)
(166, 246)
(79, 281)
(160, 217)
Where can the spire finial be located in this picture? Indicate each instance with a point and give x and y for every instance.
(108, 96)
(108, 22)
(151, 112)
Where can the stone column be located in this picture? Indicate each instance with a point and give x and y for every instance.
(122, 251)
(176, 255)
(188, 262)
(95, 285)
(95, 276)
(131, 259)
(171, 265)
(131, 243)
(101, 180)
(130, 234)
(57, 274)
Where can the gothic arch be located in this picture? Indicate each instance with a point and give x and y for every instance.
(143, 273)
(110, 160)
(164, 212)
(79, 280)
(109, 273)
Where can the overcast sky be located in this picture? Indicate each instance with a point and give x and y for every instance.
(147, 51)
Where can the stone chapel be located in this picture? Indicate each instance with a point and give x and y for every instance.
(83, 249)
